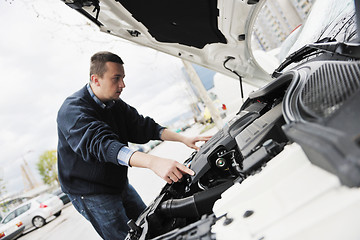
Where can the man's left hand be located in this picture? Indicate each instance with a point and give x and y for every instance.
(190, 141)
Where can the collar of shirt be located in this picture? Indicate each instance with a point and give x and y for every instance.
(97, 100)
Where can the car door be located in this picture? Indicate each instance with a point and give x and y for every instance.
(23, 214)
(8, 226)
(9, 217)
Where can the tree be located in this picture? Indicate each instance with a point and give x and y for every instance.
(2, 191)
(2, 186)
(47, 167)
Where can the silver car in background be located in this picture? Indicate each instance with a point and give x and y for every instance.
(35, 212)
(11, 230)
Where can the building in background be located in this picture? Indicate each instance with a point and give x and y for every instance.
(277, 19)
(303, 7)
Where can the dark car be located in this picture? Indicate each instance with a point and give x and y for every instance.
(287, 165)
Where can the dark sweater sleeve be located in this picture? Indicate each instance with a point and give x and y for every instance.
(141, 129)
(90, 138)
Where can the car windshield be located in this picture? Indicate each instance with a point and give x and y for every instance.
(9, 217)
(333, 18)
(277, 24)
(277, 33)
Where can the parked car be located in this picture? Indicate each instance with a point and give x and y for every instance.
(64, 197)
(36, 211)
(11, 229)
(287, 165)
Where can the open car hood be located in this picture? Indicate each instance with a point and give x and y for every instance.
(209, 33)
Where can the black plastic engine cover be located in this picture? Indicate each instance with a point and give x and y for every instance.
(224, 138)
(322, 110)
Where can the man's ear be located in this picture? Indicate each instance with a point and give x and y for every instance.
(95, 79)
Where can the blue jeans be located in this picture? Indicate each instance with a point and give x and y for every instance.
(109, 213)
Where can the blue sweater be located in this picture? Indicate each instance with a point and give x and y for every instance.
(90, 138)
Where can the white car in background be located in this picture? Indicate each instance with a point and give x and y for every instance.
(36, 211)
(11, 229)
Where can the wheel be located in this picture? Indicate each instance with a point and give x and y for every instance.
(38, 221)
(57, 214)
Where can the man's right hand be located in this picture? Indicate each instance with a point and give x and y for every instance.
(169, 170)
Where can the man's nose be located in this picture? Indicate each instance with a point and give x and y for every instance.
(122, 83)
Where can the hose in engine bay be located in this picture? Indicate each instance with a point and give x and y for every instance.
(194, 206)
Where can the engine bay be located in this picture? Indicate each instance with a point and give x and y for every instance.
(237, 151)
(265, 124)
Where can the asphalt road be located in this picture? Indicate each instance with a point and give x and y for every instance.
(70, 225)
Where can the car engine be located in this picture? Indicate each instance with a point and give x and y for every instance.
(313, 104)
(289, 109)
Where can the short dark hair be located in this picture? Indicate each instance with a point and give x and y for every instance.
(98, 61)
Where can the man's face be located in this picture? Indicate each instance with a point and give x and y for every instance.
(109, 86)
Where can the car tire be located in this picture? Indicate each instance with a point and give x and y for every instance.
(38, 221)
(57, 214)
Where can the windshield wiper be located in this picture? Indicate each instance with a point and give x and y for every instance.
(325, 45)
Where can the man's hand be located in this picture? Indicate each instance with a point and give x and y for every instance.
(190, 141)
(169, 170)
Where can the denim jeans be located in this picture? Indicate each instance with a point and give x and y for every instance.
(109, 213)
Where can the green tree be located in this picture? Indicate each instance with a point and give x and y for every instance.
(47, 167)
(2, 191)
(2, 186)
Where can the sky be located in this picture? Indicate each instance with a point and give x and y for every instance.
(45, 49)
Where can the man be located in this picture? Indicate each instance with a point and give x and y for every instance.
(94, 128)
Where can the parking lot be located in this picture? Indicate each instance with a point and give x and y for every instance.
(69, 225)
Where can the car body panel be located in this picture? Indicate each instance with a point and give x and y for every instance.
(290, 199)
(11, 229)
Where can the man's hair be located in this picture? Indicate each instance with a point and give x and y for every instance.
(98, 61)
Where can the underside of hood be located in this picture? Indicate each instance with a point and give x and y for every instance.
(212, 33)
(195, 27)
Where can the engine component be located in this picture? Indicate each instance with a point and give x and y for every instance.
(328, 134)
(198, 230)
(268, 150)
(224, 140)
(245, 143)
(193, 206)
(266, 127)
